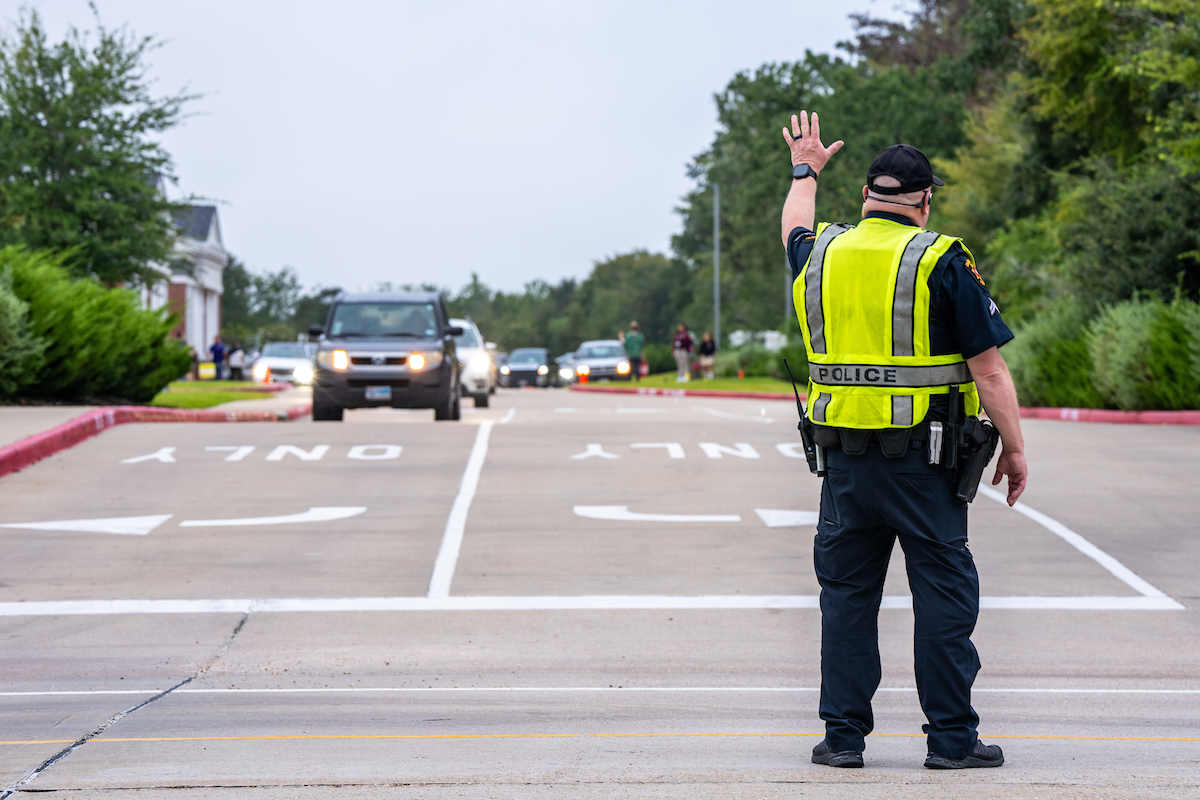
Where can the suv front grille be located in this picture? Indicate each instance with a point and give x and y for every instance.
(356, 383)
(365, 361)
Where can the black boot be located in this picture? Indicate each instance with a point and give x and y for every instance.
(823, 754)
(984, 755)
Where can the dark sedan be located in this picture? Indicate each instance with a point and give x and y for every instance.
(529, 366)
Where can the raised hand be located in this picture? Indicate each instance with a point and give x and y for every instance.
(805, 142)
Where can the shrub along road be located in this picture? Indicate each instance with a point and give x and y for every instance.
(395, 607)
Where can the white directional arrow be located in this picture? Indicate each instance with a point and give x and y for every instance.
(779, 518)
(133, 526)
(327, 514)
(623, 514)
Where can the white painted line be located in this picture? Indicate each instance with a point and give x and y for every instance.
(573, 689)
(1081, 544)
(456, 524)
(727, 415)
(623, 514)
(162, 455)
(674, 449)
(594, 450)
(132, 526)
(40, 608)
(512, 412)
(780, 518)
(566, 411)
(740, 449)
(642, 410)
(316, 514)
(238, 453)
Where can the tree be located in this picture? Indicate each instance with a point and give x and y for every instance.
(79, 156)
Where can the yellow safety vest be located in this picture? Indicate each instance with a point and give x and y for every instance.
(863, 304)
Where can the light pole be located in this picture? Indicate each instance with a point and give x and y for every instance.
(717, 264)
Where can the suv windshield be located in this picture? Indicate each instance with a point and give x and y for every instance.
(468, 338)
(602, 351)
(384, 319)
(287, 350)
(527, 357)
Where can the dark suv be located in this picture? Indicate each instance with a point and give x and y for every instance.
(386, 349)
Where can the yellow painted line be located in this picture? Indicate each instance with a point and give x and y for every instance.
(386, 736)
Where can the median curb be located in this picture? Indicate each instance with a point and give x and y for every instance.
(34, 448)
(646, 390)
(1103, 415)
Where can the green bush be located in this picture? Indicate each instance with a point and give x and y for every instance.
(797, 362)
(1146, 354)
(754, 360)
(20, 351)
(1050, 362)
(99, 342)
(660, 358)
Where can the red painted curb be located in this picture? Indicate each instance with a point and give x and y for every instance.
(1115, 417)
(34, 448)
(682, 392)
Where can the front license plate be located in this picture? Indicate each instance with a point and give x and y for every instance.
(379, 393)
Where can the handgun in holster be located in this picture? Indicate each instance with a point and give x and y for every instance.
(963, 444)
(814, 454)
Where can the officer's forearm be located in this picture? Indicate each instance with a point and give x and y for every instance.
(800, 208)
(999, 397)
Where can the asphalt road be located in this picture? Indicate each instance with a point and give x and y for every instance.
(564, 595)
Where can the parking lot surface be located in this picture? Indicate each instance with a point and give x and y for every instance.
(565, 594)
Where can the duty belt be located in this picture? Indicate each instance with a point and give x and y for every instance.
(899, 377)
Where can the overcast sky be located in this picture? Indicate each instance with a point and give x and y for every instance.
(413, 142)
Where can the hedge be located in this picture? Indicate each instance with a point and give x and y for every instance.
(96, 342)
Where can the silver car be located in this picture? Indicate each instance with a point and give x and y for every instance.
(602, 359)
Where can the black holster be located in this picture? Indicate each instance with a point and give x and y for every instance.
(979, 440)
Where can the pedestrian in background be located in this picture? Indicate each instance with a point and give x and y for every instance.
(218, 356)
(635, 348)
(707, 350)
(237, 362)
(681, 348)
(902, 339)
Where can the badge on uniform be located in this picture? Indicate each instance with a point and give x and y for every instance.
(975, 272)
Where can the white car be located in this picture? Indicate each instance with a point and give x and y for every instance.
(285, 361)
(477, 377)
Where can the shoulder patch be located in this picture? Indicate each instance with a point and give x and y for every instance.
(975, 272)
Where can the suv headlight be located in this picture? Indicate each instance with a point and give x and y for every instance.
(623, 368)
(334, 359)
(419, 361)
(303, 374)
(543, 369)
(583, 369)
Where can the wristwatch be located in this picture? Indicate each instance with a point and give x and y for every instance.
(803, 171)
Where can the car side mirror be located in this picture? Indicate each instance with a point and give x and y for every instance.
(316, 330)
(454, 330)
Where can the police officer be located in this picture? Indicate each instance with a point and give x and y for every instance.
(896, 321)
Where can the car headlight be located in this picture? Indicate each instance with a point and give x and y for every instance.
(303, 374)
(623, 368)
(504, 370)
(565, 373)
(543, 369)
(582, 369)
(479, 363)
(416, 361)
(261, 372)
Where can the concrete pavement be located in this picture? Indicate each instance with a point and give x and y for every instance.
(18, 422)
(301, 683)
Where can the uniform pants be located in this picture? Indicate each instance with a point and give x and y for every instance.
(867, 503)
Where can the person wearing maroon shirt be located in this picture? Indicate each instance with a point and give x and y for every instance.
(682, 349)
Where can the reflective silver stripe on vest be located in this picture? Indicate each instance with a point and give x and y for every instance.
(812, 285)
(900, 377)
(902, 410)
(818, 411)
(906, 293)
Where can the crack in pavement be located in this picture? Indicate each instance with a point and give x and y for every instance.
(66, 751)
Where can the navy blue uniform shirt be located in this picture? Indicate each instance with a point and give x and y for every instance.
(963, 318)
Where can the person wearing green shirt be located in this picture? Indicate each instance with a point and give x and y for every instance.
(635, 347)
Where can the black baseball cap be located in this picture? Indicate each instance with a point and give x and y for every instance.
(906, 164)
